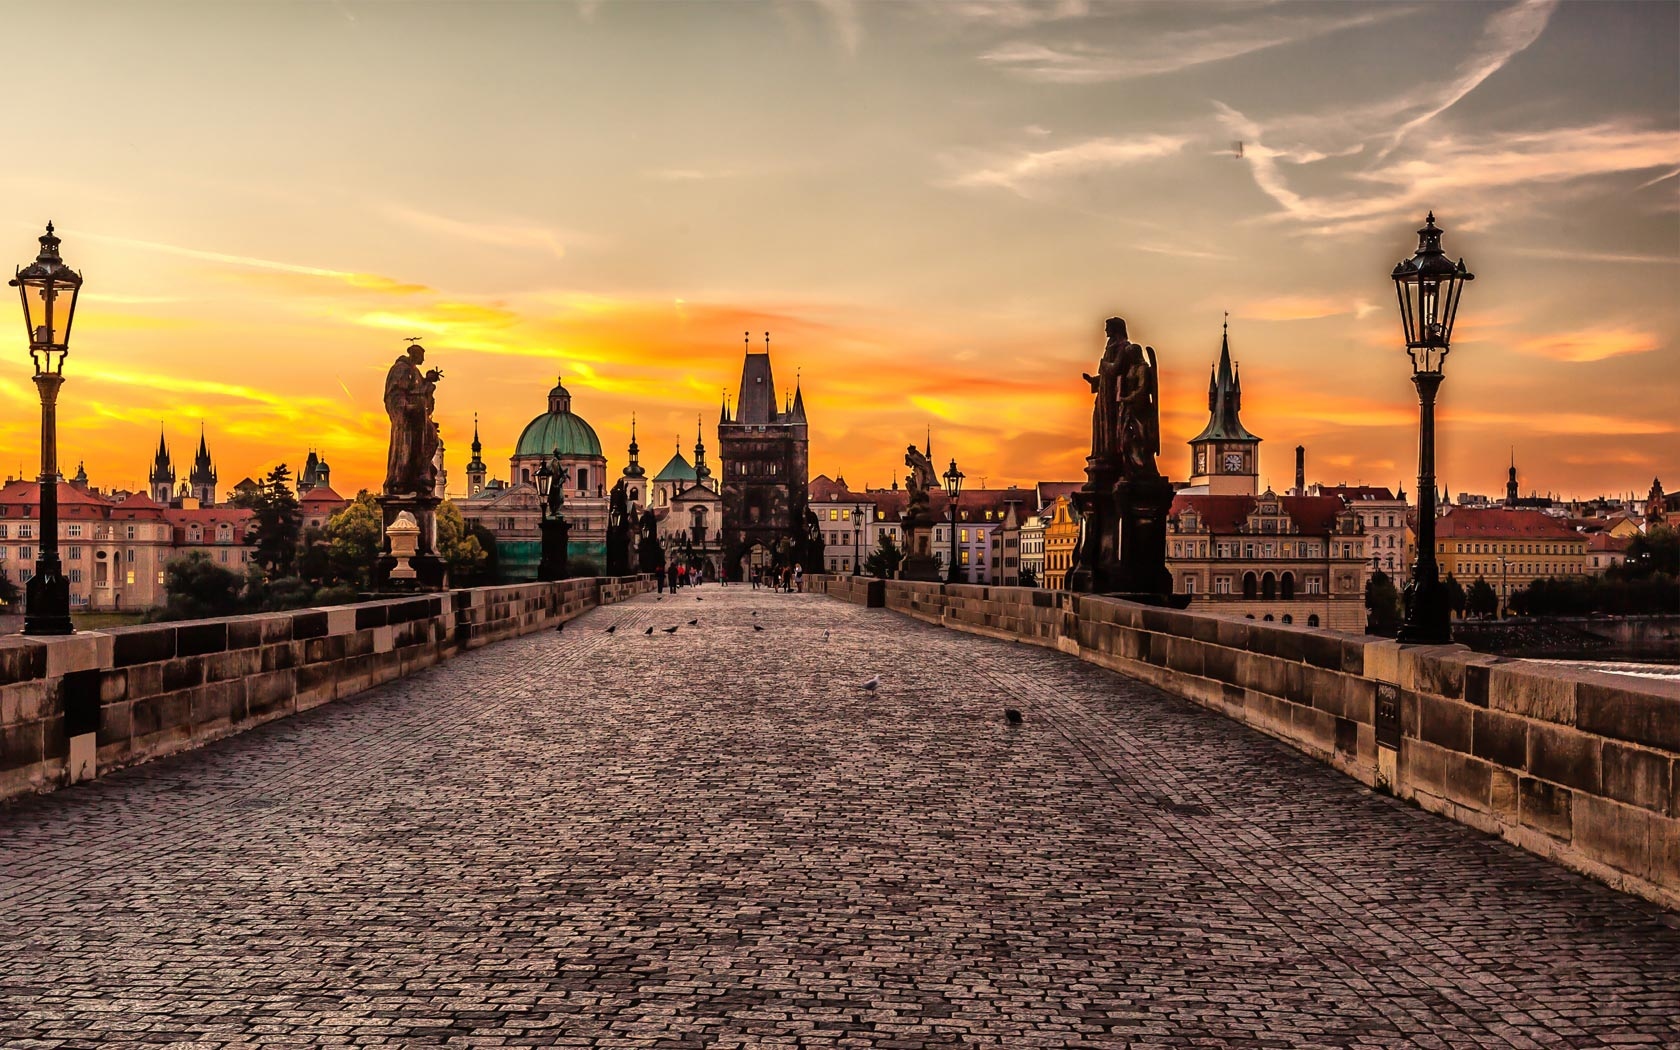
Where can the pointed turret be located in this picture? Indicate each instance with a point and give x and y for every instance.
(1226, 457)
(476, 470)
(203, 476)
(162, 475)
(1511, 480)
(797, 414)
(702, 473)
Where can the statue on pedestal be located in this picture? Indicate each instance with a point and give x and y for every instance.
(1124, 503)
(412, 473)
(619, 529)
(917, 523)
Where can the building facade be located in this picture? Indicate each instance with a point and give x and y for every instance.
(1383, 515)
(765, 450)
(1508, 548)
(1061, 536)
(1224, 457)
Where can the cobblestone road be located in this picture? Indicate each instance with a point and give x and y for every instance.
(715, 838)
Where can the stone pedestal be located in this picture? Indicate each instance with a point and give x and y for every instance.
(556, 532)
(1123, 537)
(429, 571)
(919, 562)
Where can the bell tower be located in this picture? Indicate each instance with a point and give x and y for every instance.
(1225, 457)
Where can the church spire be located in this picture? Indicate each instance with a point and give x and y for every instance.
(634, 468)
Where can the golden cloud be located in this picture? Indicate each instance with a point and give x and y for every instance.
(1591, 344)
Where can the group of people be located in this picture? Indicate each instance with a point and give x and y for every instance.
(676, 575)
(789, 579)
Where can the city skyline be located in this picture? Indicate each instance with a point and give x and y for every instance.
(931, 208)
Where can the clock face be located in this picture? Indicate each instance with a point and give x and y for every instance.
(1201, 462)
(1234, 462)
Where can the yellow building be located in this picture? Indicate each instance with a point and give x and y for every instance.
(1061, 535)
(1510, 549)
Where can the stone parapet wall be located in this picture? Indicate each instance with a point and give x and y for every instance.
(74, 707)
(1577, 766)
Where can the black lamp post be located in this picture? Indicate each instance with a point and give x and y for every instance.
(1429, 286)
(953, 489)
(857, 530)
(48, 289)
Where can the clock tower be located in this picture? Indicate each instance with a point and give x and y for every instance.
(1225, 457)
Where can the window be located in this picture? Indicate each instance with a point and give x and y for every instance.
(26, 532)
(25, 553)
(1315, 585)
(1251, 585)
(964, 537)
(131, 532)
(3, 531)
(1222, 585)
(73, 553)
(1312, 621)
(72, 531)
(1288, 618)
(128, 555)
(1189, 585)
(3, 553)
(75, 576)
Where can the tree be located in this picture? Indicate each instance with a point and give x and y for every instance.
(9, 593)
(200, 588)
(1382, 604)
(354, 536)
(1655, 553)
(277, 522)
(1481, 600)
(884, 560)
(1456, 600)
(489, 570)
(459, 548)
(1028, 577)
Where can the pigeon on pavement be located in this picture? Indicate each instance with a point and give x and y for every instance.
(613, 628)
(560, 627)
(670, 630)
(756, 627)
(1012, 715)
(873, 683)
(648, 631)
(694, 623)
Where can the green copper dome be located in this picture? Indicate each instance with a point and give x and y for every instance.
(559, 429)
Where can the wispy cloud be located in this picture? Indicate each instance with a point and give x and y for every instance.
(1152, 54)
(1005, 14)
(846, 21)
(1591, 344)
(1293, 308)
(1017, 171)
(500, 234)
(1504, 35)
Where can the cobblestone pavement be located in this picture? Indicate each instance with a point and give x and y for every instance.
(716, 838)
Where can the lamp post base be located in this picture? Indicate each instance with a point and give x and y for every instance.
(47, 604)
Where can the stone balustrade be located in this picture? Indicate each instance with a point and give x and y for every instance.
(74, 707)
(1580, 767)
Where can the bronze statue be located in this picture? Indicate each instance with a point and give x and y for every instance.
(409, 403)
(921, 481)
(560, 474)
(1105, 418)
(1140, 410)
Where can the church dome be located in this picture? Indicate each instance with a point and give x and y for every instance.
(558, 428)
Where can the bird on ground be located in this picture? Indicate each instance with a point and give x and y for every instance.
(825, 634)
(561, 626)
(698, 598)
(613, 628)
(1013, 716)
(756, 627)
(755, 613)
(873, 683)
(670, 630)
(660, 598)
(694, 623)
(648, 631)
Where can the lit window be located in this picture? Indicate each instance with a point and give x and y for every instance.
(131, 577)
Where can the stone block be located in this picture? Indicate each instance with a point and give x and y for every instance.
(269, 693)
(1612, 834)
(217, 706)
(1233, 634)
(1359, 699)
(358, 643)
(372, 614)
(280, 656)
(1382, 661)
(1422, 767)
(1347, 737)
(341, 619)
(85, 651)
(1637, 776)
(1313, 728)
(1629, 714)
(1321, 649)
(200, 638)
(1469, 781)
(161, 715)
(183, 673)
(1521, 689)
(276, 629)
(1184, 655)
(1221, 663)
(1500, 738)
(21, 659)
(113, 686)
(1445, 723)
(152, 643)
(21, 745)
(329, 649)
(244, 632)
(1503, 796)
(1564, 756)
(1665, 853)
(116, 723)
(144, 680)
(311, 624)
(1323, 689)
(236, 663)
(1440, 674)
(1546, 808)
(25, 702)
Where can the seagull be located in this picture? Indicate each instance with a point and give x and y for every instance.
(872, 683)
(613, 628)
(756, 627)
(648, 631)
(1013, 716)
(670, 630)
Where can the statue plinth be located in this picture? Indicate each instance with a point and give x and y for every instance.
(555, 534)
(919, 562)
(423, 569)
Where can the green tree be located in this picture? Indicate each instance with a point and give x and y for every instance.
(198, 587)
(1382, 604)
(277, 523)
(1456, 600)
(884, 560)
(1655, 553)
(458, 547)
(1481, 599)
(490, 570)
(354, 537)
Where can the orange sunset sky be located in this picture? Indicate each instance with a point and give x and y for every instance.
(931, 207)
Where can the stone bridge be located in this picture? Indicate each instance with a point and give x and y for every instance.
(717, 837)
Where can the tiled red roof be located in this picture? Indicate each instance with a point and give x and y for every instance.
(323, 494)
(1603, 541)
(208, 518)
(1047, 492)
(22, 499)
(1498, 523)
(1355, 493)
(1312, 515)
(138, 507)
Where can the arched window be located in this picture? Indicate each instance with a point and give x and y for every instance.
(525, 475)
(583, 479)
(1267, 617)
(1288, 618)
(1268, 586)
(1312, 621)
(1251, 586)
(1288, 586)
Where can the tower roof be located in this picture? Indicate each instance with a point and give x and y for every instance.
(1225, 400)
(558, 428)
(757, 403)
(676, 469)
(162, 469)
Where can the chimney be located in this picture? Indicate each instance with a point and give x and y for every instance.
(1300, 470)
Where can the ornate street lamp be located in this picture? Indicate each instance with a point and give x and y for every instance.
(953, 489)
(857, 529)
(1429, 286)
(48, 289)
